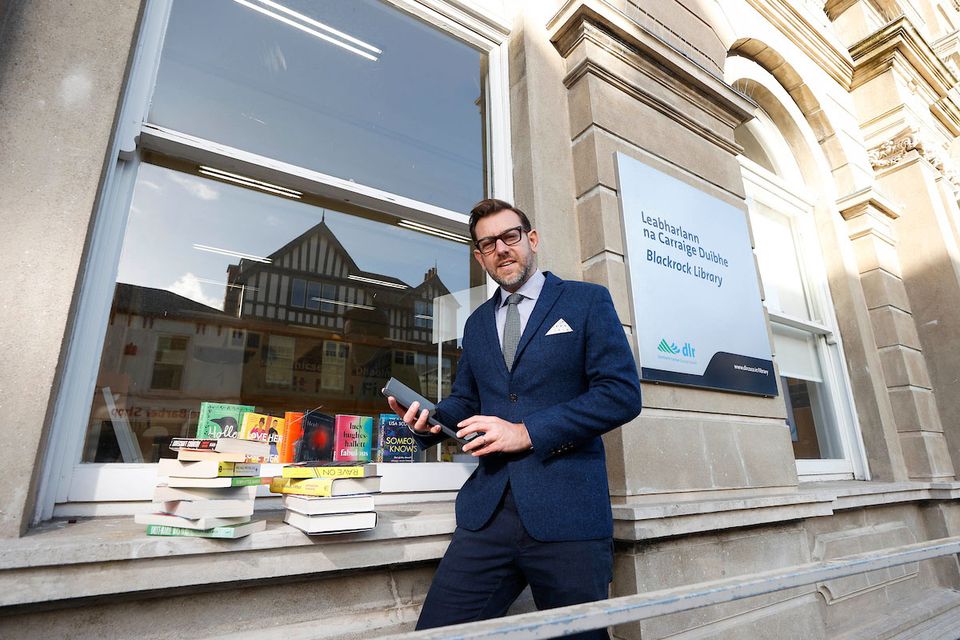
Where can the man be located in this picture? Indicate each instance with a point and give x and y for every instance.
(545, 370)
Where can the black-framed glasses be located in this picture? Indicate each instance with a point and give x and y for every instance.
(488, 245)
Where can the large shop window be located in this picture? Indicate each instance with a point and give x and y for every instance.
(232, 295)
(293, 228)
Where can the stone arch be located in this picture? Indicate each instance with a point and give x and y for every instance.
(806, 101)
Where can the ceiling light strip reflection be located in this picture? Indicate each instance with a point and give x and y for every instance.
(320, 25)
(221, 283)
(416, 226)
(344, 304)
(250, 182)
(221, 172)
(380, 282)
(306, 29)
(232, 254)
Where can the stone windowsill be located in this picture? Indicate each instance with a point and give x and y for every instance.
(103, 557)
(702, 511)
(106, 557)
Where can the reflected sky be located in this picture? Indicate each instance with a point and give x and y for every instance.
(173, 211)
(408, 122)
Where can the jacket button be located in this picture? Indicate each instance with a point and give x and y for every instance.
(513, 397)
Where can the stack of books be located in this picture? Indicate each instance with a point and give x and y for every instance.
(208, 491)
(329, 497)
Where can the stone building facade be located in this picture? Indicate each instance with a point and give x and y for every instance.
(832, 126)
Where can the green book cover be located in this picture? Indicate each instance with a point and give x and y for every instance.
(220, 420)
(233, 531)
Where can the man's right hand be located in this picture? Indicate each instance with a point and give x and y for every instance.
(418, 424)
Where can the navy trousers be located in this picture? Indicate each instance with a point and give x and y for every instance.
(484, 571)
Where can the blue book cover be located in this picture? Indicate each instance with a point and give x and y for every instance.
(396, 442)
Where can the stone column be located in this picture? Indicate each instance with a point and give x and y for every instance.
(929, 362)
(870, 222)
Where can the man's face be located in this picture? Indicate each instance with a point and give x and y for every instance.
(509, 266)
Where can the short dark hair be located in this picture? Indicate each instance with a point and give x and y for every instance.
(490, 206)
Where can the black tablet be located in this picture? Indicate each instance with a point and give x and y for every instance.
(405, 397)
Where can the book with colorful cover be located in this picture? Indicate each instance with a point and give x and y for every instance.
(254, 426)
(396, 442)
(264, 428)
(353, 438)
(226, 532)
(329, 470)
(221, 420)
(276, 434)
(293, 431)
(326, 486)
(316, 440)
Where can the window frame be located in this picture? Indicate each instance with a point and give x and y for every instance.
(792, 200)
(65, 481)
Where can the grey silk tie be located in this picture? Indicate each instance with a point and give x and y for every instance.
(511, 330)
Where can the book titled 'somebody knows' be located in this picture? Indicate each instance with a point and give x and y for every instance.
(396, 442)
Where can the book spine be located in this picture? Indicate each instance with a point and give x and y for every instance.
(166, 530)
(245, 481)
(293, 430)
(325, 472)
(242, 469)
(308, 487)
(193, 443)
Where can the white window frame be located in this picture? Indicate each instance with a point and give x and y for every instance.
(67, 486)
(791, 200)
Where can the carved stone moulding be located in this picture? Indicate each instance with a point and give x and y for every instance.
(893, 151)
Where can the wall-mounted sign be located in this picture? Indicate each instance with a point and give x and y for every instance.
(698, 316)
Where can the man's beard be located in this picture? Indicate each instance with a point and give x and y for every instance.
(516, 281)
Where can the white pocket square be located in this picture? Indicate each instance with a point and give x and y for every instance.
(560, 326)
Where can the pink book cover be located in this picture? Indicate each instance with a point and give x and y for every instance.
(353, 438)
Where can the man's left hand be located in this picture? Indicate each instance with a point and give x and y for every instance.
(498, 436)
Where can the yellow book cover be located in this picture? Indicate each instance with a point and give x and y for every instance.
(326, 487)
(264, 428)
(330, 470)
(308, 487)
(255, 426)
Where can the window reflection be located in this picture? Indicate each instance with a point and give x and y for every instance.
(300, 308)
(382, 99)
(812, 430)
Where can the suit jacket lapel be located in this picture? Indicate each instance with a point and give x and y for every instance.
(548, 297)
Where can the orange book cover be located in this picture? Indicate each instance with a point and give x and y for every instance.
(293, 421)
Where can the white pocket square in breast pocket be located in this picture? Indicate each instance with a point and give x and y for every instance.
(560, 326)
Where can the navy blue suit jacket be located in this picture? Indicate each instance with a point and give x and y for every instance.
(568, 389)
